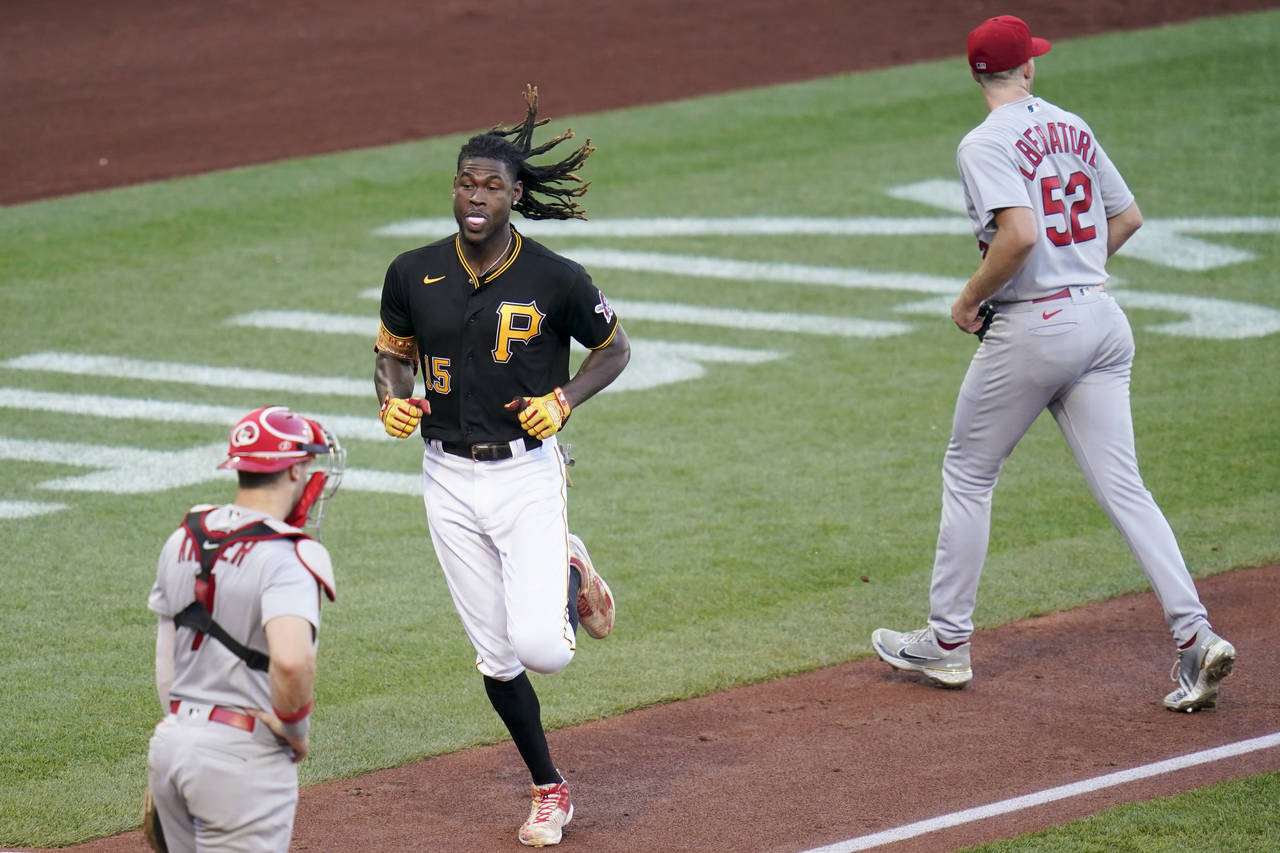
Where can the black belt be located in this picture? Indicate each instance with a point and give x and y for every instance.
(490, 451)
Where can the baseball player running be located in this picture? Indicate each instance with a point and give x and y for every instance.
(237, 593)
(1048, 208)
(487, 314)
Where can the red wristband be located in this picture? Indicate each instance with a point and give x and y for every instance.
(295, 716)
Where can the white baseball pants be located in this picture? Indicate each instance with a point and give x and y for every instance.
(500, 531)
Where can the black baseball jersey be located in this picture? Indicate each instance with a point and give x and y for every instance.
(482, 344)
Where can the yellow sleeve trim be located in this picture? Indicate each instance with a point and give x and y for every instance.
(609, 339)
(405, 349)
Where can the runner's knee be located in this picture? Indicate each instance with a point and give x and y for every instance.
(542, 652)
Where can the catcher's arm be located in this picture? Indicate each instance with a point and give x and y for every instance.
(166, 634)
(400, 412)
(292, 676)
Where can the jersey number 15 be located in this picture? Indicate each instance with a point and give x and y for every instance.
(438, 381)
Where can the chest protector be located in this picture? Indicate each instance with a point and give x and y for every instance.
(209, 546)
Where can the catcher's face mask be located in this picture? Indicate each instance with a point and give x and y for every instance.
(332, 457)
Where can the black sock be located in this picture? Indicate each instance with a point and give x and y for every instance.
(575, 584)
(517, 705)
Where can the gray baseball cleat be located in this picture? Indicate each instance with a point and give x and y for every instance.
(918, 651)
(1198, 670)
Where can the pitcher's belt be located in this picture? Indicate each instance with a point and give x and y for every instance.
(1076, 293)
(1065, 293)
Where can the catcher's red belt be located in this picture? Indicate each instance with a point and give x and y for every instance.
(226, 716)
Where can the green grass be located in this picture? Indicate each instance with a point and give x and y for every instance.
(1242, 815)
(704, 501)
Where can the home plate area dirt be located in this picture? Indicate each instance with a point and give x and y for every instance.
(850, 750)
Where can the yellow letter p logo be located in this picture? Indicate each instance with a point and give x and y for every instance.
(517, 321)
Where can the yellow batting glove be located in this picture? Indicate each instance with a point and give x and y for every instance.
(542, 417)
(400, 417)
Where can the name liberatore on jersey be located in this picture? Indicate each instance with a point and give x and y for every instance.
(481, 343)
(1031, 153)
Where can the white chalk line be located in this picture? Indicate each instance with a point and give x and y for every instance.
(1062, 792)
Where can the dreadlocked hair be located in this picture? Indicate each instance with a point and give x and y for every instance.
(514, 146)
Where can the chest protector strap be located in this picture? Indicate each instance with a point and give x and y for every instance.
(208, 547)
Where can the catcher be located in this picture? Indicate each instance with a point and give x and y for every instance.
(237, 593)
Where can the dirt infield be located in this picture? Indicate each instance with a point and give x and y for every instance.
(849, 750)
(100, 95)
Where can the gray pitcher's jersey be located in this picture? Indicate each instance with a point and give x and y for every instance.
(254, 582)
(1030, 153)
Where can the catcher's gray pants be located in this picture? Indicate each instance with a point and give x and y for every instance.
(1072, 356)
(219, 788)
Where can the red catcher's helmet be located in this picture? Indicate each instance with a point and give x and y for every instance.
(271, 439)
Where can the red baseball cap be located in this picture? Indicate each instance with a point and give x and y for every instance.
(1001, 43)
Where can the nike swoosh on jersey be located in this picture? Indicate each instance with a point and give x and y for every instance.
(1045, 315)
(209, 546)
(426, 279)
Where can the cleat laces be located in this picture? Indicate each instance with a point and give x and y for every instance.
(544, 805)
(919, 636)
